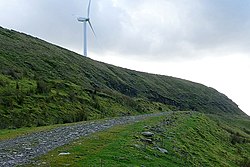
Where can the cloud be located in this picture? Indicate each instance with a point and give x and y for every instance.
(223, 24)
(49, 20)
(161, 29)
(183, 28)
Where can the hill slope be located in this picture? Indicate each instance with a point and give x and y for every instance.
(42, 84)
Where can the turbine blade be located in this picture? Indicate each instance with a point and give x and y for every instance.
(89, 8)
(92, 28)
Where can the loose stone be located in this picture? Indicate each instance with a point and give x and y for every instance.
(67, 153)
(148, 134)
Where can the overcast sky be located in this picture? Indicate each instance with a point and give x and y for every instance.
(206, 41)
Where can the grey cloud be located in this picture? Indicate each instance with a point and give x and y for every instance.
(199, 26)
(49, 20)
(222, 23)
(159, 29)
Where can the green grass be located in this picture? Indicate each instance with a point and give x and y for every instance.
(191, 139)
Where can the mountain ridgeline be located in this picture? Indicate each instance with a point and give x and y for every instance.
(43, 84)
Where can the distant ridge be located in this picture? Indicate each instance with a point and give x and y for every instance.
(43, 84)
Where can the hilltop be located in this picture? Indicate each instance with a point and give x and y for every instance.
(43, 84)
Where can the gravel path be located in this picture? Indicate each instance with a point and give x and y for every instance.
(22, 149)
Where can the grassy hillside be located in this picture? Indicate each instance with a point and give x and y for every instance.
(180, 139)
(42, 84)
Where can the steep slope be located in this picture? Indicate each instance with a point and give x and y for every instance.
(41, 84)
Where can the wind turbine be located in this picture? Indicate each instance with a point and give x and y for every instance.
(85, 21)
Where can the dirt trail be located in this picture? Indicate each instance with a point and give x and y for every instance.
(23, 149)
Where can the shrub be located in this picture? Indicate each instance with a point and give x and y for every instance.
(20, 98)
(42, 87)
(14, 73)
(3, 83)
(245, 163)
(17, 86)
(8, 102)
(237, 138)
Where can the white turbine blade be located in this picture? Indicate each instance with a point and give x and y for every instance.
(92, 28)
(89, 8)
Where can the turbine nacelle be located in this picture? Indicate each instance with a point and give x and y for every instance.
(82, 19)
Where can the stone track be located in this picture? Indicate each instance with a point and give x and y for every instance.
(23, 149)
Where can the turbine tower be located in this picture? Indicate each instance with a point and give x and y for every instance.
(85, 21)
